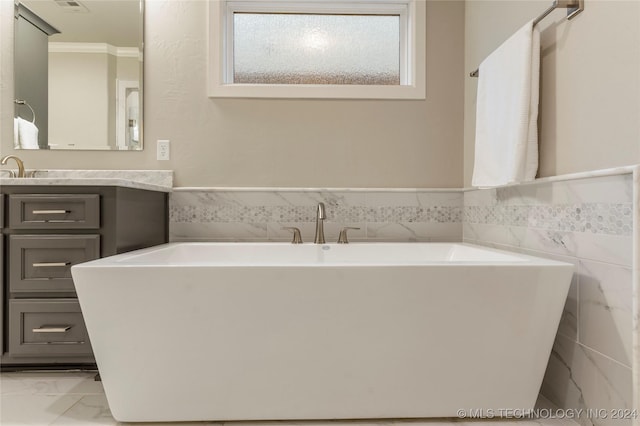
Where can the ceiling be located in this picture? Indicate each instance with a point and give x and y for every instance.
(116, 22)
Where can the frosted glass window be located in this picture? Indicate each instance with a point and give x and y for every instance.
(275, 48)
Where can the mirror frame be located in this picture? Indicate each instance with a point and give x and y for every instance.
(141, 46)
(141, 83)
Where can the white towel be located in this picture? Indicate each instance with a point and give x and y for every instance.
(27, 134)
(16, 132)
(507, 112)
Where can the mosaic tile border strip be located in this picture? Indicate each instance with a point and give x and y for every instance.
(267, 214)
(300, 207)
(596, 218)
(260, 215)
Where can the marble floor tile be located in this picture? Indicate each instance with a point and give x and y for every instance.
(34, 409)
(73, 398)
(50, 383)
(89, 410)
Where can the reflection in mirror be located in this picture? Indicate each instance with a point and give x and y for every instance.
(78, 74)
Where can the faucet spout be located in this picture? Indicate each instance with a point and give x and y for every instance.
(18, 161)
(320, 217)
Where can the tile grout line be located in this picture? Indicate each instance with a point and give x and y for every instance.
(620, 364)
(68, 409)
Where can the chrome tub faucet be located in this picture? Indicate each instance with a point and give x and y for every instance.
(320, 217)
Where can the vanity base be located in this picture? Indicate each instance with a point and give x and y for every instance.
(46, 229)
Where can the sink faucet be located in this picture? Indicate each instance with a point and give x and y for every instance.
(18, 161)
(320, 217)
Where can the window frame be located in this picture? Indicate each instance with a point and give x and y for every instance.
(412, 49)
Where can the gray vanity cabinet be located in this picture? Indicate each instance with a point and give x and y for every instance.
(42, 263)
(46, 230)
(47, 327)
(3, 322)
(54, 211)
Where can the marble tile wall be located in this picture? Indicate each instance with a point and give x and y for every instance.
(260, 214)
(636, 291)
(588, 222)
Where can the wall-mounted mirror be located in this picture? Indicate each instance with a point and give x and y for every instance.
(78, 74)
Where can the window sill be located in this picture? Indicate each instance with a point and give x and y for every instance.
(307, 91)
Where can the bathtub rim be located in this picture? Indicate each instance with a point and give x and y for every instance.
(120, 260)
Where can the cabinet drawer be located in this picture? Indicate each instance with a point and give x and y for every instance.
(42, 263)
(54, 211)
(47, 327)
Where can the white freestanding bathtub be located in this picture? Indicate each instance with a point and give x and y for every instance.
(256, 331)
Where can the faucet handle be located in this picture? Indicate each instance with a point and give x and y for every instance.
(342, 238)
(297, 238)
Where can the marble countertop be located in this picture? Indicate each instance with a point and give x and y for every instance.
(82, 182)
(152, 180)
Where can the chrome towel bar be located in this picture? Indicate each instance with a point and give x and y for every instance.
(573, 8)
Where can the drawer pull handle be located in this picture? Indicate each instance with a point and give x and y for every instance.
(53, 221)
(52, 329)
(51, 264)
(50, 211)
